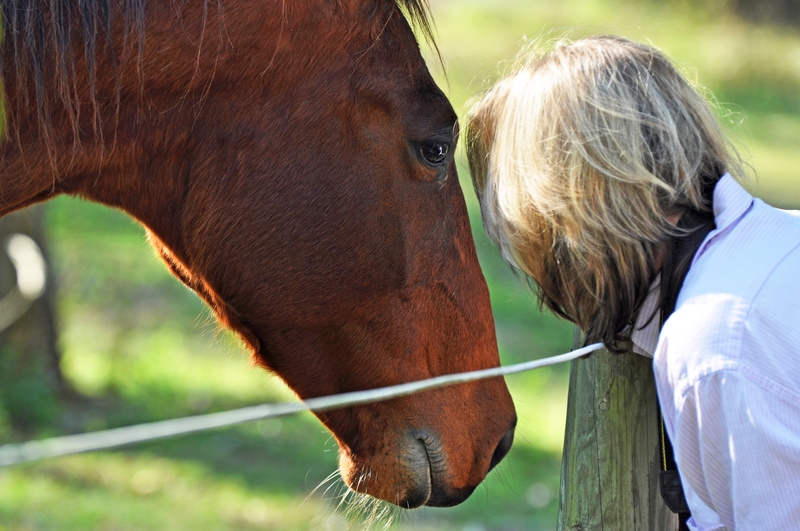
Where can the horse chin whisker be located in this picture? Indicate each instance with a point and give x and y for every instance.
(361, 511)
(500, 473)
(331, 481)
(365, 512)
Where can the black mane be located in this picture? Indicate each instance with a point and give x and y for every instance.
(418, 12)
(38, 44)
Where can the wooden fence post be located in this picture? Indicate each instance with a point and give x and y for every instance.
(610, 465)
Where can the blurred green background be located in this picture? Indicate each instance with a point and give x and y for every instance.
(138, 346)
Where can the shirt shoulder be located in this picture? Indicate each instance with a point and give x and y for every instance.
(741, 256)
(738, 304)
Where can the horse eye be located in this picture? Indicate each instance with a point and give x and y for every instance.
(434, 152)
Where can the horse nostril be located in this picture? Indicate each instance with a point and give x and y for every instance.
(502, 448)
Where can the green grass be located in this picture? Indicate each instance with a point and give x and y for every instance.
(142, 347)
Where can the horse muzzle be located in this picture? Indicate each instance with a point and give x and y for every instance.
(421, 473)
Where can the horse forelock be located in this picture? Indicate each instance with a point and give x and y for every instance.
(419, 14)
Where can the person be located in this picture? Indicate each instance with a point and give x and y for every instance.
(605, 176)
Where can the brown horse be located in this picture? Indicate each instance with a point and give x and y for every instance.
(292, 162)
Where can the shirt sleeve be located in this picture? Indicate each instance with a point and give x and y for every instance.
(737, 439)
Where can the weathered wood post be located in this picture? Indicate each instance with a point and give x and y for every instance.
(610, 465)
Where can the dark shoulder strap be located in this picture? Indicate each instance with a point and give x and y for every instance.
(678, 259)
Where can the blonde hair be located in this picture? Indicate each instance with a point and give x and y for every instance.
(580, 158)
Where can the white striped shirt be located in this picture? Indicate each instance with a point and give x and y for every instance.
(727, 367)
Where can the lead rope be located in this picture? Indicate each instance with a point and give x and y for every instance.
(13, 454)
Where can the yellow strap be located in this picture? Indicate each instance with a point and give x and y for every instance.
(663, 442)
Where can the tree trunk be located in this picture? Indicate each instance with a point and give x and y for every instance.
(30, 376)
(610, 465)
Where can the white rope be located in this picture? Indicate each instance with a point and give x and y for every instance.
(12, 454)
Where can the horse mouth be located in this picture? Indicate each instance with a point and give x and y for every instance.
(420, 468)
(422, 475)
(432, 490)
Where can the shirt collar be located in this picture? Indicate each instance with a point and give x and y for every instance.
(731, 202)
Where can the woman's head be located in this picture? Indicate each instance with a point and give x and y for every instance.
(581, 159)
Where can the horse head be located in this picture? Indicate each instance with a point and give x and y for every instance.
(293, 164)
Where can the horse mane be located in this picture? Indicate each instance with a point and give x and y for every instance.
(38, 42)
(38, 48)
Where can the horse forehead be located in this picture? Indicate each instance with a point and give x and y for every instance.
(398, 81)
